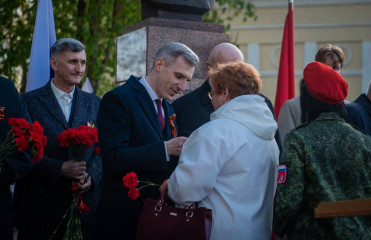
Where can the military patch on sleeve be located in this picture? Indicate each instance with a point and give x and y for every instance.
(282, 170)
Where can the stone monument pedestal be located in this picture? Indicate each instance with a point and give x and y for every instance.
(137, 47)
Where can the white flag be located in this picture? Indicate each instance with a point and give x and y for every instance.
(87, 86)
(43, 38)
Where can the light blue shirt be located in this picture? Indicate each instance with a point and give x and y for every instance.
(64, 99)
(154, 97)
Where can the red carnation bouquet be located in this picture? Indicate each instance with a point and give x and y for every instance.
(78, 141)
(131, 182)
(23, 137)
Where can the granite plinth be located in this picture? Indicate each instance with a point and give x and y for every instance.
(138, 46)
(207, 27)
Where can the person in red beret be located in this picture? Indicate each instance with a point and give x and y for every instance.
(290, 113)
(326, 160)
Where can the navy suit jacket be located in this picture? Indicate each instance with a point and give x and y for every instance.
(130, 140)
(194, 109)
(17, 165)
(47, 195)
(359, 113)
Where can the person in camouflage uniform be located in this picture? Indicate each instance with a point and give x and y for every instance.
(327, 160)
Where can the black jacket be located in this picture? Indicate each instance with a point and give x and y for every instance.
(359, 113)
(15, 167)
(194, 109)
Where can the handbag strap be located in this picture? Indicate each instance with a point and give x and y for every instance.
(161, 200)
(189, 213)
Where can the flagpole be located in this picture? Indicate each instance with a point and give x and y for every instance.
(292, 51)
(286, 72)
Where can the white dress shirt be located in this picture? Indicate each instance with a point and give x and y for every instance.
(64, 99)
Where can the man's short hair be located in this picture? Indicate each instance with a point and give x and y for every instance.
(330, 50)
(172, 50)
(369, 90)
(64, 45)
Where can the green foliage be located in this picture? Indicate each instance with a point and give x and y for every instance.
(236, 7)
(16, 17)
(96, 23)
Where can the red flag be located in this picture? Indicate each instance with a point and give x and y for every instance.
(286, 71)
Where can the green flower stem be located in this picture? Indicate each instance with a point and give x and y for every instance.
(148, 184)
(7, 148)
(64, 216)
(78, 152)
(73, 229)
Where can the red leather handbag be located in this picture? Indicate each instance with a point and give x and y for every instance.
(160, 221)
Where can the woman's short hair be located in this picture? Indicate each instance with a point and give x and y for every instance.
(238, 77)
(330, 50)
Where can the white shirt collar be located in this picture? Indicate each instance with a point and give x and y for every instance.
(149, 89)
(59, 93)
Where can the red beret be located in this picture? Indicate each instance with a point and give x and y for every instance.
(324, 83)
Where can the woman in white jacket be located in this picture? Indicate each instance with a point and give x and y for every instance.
(229, 165)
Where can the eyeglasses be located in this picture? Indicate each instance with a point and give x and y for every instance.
(210, 95)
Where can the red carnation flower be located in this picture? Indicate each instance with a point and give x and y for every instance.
(23, 137)
(75, 187)
(133, 193)
(36, 127)
(94, 134)
(17, 131)
(130, 180)
(82, 206)
(81, 137)
(38, 156)
(22, 143)
(96, 151)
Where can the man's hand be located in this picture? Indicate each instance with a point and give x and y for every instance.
(84, 185)
(175, 145)
(74, 170)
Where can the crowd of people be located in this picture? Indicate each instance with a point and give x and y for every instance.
(219, 146)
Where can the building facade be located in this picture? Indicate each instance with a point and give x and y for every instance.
(346, 23)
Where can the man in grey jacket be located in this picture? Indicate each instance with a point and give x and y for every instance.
(59, 105)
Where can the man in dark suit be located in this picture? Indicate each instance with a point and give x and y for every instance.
(359, 112)
(194, 109)
(59, 105)
(11, 106)
(135, 135)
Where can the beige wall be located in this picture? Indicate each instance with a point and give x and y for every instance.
(347, 23)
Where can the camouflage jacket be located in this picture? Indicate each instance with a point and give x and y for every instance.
(327, 160)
